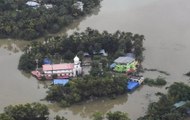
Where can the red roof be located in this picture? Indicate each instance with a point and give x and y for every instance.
(64, 66)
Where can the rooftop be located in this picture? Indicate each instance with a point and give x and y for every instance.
(32, 4)
(124, 60)
(60, 81)
(64, 66)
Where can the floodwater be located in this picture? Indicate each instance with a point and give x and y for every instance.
(165, 25)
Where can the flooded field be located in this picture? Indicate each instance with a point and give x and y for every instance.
(165, 25)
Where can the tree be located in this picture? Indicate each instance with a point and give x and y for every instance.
(4, 116)
(97, 116)
(117, 116)
(59, 118)
(27, 112)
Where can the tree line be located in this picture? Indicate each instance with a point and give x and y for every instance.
(37, 111)
(90, 41)
(21, 21)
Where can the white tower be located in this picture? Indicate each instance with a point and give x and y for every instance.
(77, 67)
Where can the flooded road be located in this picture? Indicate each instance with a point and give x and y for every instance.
(165, 25)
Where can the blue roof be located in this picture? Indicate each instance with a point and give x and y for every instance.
(112, 65)
(60, 81)
(131, 85)
(47, 61)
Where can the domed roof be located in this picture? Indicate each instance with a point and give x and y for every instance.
(76, 58)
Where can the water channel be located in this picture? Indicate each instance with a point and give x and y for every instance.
(165, 25)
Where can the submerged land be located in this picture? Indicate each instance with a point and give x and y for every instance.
(162, 46)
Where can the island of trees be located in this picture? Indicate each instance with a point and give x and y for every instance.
(101, 82)
(19, 20)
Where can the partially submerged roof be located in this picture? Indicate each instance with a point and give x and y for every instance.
(60, 81)
(64, 66)
(180, 103)
(124, 60)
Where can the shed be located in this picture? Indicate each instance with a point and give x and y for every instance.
(131, 85)
(60, 81)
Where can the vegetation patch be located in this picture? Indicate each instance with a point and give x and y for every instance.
(90, 41)
(29, 111)
(88, 87)
(159, 81)
(117, 115)
(165, 108)
(19, 20)
(160, 71)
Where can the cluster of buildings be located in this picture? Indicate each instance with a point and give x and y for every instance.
(127, 64)
(63, 71)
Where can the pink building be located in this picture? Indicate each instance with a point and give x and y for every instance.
(63, 70)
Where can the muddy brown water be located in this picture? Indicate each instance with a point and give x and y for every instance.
(165, 25)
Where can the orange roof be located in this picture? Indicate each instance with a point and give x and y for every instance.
(64, 66)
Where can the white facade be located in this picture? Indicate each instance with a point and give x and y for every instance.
(77, 70)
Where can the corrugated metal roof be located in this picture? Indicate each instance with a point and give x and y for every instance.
(124, 60)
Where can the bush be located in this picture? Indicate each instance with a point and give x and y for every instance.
(159, 81)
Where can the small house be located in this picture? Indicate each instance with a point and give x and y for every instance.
(124, 64)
